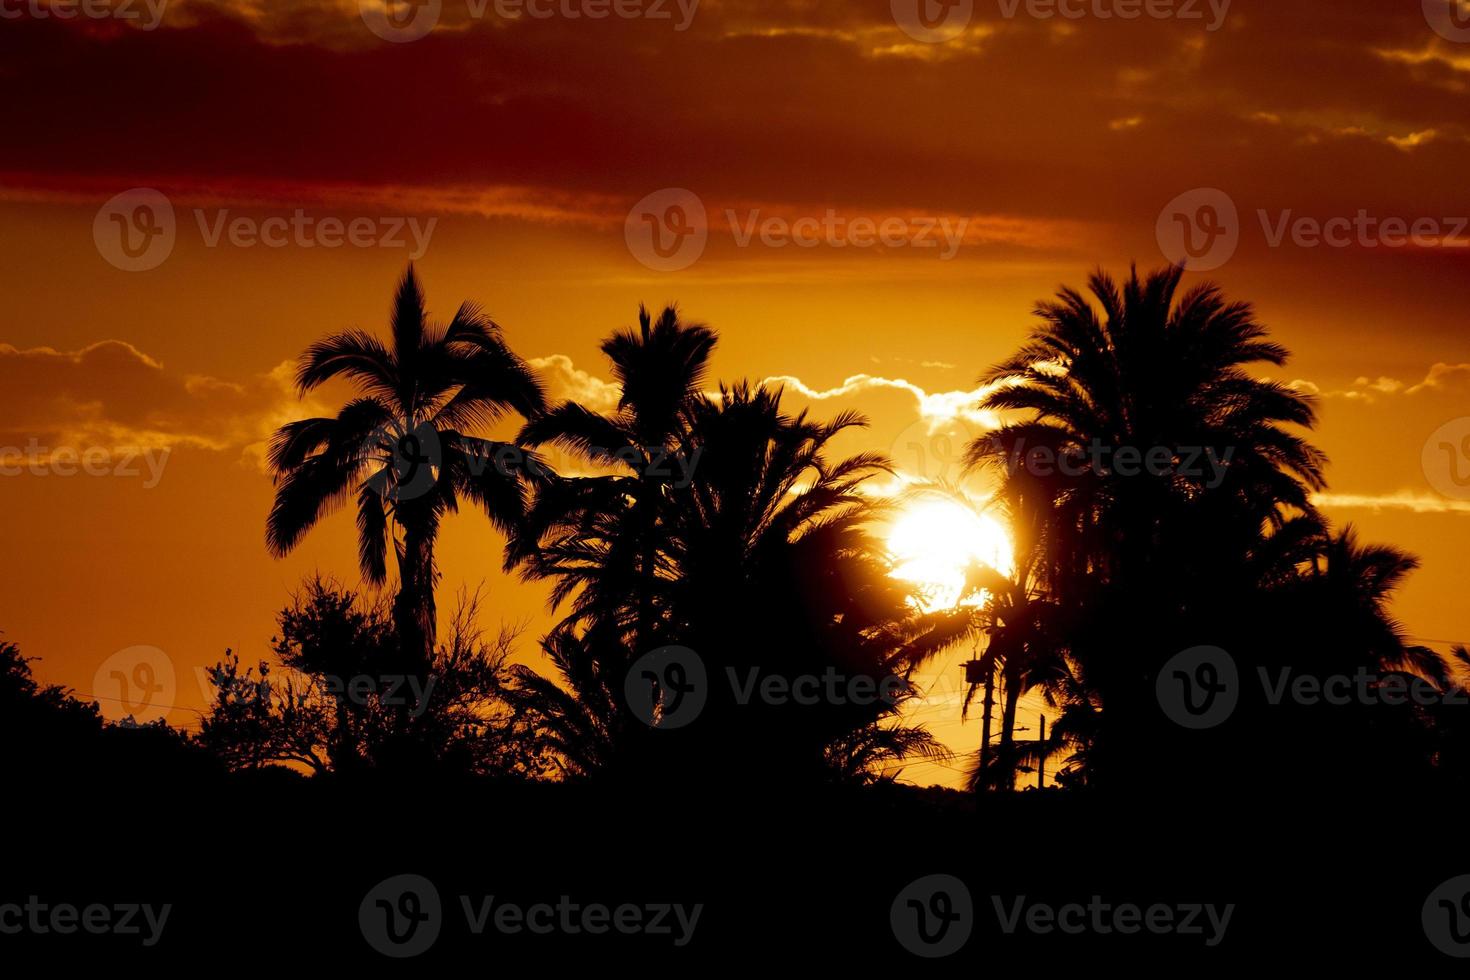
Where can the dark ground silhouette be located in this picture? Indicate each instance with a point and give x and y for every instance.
(720, 538)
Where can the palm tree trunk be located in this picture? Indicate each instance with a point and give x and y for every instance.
(414, 611)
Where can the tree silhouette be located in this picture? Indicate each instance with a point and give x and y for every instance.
(1137, 369)
(758, 560)
(404, 446)
(660, 369)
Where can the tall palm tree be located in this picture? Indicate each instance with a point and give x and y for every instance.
(404, 446)
(602, 535)
(1136, 367)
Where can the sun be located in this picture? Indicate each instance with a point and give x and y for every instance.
(935, 539)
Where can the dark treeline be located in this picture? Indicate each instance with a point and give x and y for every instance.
(724, 526)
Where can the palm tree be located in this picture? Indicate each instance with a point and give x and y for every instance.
(779, 573)
(1139, 367)
(1025, 628)
(760, 561)
(1149, 368)
(1352, 583)
(601, 535)
(578, 724)
(404, 447)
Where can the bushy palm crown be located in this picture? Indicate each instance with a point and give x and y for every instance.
(1141, 366)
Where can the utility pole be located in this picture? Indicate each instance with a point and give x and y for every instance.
(1041, 756)
(985, 728)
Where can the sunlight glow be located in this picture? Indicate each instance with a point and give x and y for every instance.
(935, 540)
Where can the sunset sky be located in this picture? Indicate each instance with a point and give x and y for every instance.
(1043, 146)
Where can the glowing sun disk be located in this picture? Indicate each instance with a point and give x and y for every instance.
(934, 541)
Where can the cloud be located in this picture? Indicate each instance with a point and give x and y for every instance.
(567, 382)
(112, 395)
(1296, 91)
(1418, 503)
(1440, 377)
(936, 408)
(1443, 376)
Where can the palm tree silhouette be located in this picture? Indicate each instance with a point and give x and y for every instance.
(1140, 368)
(1025, 627)
(757, 559)
(404, 446)
(779, 573)
(587, 533)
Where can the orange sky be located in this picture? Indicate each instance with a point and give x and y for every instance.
(1052, 144)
